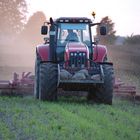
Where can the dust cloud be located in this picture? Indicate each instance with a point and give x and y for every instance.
(16, 55)
(17, 51)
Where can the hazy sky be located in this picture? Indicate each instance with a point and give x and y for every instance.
(124, 13)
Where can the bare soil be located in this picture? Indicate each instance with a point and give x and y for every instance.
(126, 60)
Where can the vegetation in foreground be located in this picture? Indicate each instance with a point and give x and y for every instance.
(69, 118)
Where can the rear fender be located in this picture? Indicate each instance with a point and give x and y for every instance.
(99, 53)
(43, 52)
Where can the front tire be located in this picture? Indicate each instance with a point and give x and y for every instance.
(103, 93)
(48, 81)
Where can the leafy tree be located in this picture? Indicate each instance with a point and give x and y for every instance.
(31, 32)
(110, 37)
(133, 39)
(12, 16)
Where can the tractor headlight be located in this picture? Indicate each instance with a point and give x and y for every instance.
(71, 54)
(84, 54)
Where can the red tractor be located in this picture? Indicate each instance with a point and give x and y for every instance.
(71, 60)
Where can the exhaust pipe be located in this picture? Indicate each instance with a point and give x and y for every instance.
(52, 41)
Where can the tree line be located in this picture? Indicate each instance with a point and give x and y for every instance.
(13, 21)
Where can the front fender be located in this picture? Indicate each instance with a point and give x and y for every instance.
(99, 53)
(43, 52)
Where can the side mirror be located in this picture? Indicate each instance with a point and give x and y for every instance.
(44, 30)
(103, 30)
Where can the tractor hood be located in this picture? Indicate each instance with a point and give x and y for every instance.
(76, 47)
(76, 54)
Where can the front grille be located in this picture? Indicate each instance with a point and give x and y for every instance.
(78, 59)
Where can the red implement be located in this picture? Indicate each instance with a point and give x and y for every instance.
(26, 83)
(121, 87)
(22, 84)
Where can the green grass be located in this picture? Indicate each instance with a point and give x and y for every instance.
(68, 119)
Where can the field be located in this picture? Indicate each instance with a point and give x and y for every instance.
(70, 118)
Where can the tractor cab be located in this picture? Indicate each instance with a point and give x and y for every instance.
(73, 30)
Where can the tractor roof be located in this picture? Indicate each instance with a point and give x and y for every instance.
(73, 20)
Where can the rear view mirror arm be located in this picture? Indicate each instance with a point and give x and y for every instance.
(93, 24)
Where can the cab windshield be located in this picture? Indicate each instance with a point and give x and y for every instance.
(73, 32)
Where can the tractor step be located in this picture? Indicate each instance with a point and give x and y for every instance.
(81, 81)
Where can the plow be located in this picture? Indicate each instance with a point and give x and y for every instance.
(24, 85)
(19, 84)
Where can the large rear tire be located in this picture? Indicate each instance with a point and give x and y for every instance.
(48, 81)
(103, 93)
